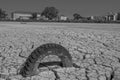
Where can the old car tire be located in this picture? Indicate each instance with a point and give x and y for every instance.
(30, 67)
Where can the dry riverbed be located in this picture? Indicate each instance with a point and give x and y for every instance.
(95, 53)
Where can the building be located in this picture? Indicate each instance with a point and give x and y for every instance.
(42, 18)
(63, 18)
(92, 17)
(116, 16)
(98, 18)
(113, 17)
(23, 15)
(110, 17)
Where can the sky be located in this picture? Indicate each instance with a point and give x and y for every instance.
(65, 7)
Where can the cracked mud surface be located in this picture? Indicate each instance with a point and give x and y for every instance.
(95, 54)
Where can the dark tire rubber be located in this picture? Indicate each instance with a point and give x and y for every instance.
(30, 67)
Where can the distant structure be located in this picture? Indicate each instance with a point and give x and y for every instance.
(117, 16)
(113, 17)
(23, 15)
(92, 17)
(98, 18)
(63, 18)
(108, 17)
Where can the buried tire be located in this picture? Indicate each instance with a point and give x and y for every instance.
(30, 67)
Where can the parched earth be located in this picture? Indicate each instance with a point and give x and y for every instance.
(95, 54)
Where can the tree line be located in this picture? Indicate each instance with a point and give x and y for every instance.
(49, 12)
(52, 14)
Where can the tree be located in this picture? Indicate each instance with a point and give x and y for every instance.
(76, 16)
(50, 13)
(34, 16)
(2, 14)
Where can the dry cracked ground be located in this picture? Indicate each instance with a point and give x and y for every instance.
(95, 54)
